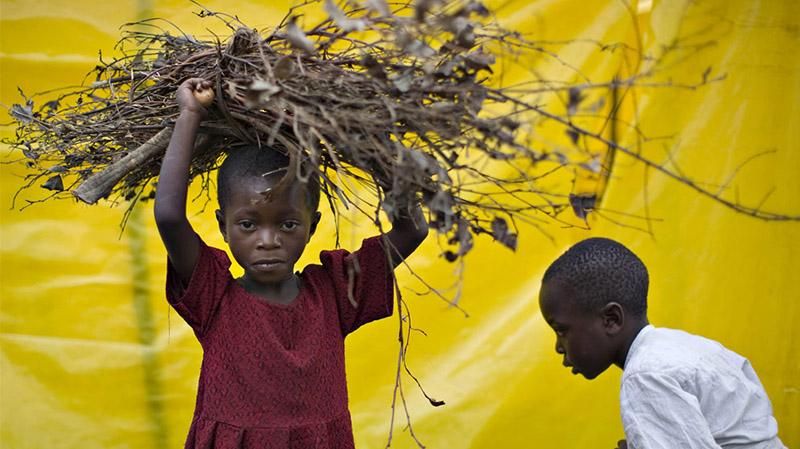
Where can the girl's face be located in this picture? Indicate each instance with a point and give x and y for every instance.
(581, 336)
(267, 230)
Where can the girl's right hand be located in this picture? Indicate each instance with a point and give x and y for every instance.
(185, 96)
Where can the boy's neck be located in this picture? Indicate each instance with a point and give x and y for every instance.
(627, 340)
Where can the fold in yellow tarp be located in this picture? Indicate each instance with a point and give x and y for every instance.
(91, 356)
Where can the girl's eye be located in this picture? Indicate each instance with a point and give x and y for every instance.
(289, 225)
(247, 225)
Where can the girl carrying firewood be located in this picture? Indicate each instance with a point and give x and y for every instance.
(273, 371)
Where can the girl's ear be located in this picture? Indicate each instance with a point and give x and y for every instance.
(613, 316)
(314, 222)
(221, 222)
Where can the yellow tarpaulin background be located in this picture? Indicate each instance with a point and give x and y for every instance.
(91, 356)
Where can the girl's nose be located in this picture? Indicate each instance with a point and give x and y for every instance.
(559, 348)
(268, 238)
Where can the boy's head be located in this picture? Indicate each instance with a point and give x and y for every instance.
(595, 298)
(266, 222)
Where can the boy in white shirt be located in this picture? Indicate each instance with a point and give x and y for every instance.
(678, 390)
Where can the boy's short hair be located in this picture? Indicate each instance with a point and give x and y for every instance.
(599, 271)
(251, 160)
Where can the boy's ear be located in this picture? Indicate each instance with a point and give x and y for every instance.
(314, 222)
(613, 316)
(221, 222)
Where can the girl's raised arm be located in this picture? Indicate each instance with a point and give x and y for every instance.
(408, 232)
(173, 180)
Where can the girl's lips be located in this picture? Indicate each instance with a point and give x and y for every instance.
(266, 265)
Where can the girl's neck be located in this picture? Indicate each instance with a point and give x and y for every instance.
(283, 292)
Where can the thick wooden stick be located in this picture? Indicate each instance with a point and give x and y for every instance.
(99, 185)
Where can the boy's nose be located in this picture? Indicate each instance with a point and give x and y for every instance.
(559, 348)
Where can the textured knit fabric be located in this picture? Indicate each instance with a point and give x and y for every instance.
(684, 391)
(273, 375)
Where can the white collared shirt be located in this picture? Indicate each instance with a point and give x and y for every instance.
(682, 391)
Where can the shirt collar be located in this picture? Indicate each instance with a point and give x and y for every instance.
(637, 342)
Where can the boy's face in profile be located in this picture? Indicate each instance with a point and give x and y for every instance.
(581, 336)
(267, 230)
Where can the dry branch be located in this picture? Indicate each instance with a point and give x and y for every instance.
(404, 99)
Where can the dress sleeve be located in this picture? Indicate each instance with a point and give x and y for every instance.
(362, 282)
(198, 301)
(658, 414)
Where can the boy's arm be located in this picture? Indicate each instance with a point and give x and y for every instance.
(408, 232)
(658, 413)
(173, 181)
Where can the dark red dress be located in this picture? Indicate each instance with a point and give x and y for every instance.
(273, 375)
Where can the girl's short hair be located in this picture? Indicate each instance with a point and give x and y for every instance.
(600, 270)
(251, 160)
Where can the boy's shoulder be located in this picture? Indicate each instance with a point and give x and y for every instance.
(664, 350)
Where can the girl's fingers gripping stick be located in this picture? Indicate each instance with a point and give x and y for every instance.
(204, 95)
